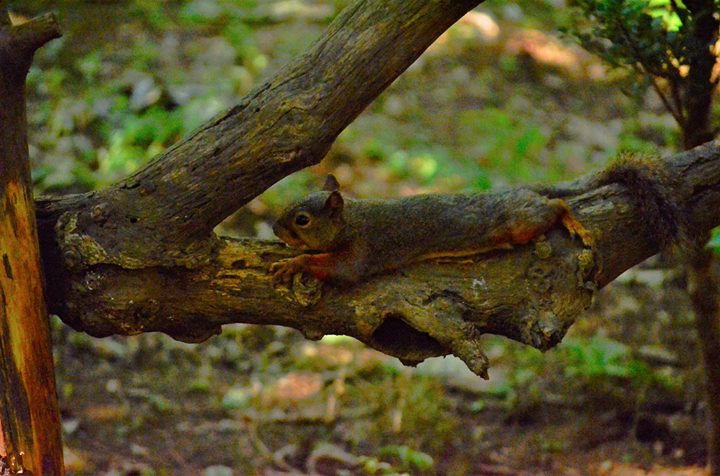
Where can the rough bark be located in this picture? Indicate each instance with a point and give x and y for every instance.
(141, 256)
(531, 294)
(28, 402)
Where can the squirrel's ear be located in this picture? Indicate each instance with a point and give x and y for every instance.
(331, 184)
(334, 202)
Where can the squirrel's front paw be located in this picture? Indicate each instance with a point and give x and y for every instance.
(284, 270)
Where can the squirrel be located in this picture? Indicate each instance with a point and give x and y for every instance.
(350, 239)
(353, 239)
(649, 183)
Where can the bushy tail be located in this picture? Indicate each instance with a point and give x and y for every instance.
(649, 183)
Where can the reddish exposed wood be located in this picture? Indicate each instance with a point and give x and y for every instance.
(28, 400)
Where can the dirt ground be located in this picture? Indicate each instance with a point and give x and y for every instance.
(265, 401)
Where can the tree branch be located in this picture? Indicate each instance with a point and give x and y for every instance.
(18, 44)
(531, 294)
(171, 206)
(141, 256)
(33, 34)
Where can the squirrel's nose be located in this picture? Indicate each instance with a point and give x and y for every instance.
(279, 230)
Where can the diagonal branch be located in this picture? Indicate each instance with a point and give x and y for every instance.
(171, 206)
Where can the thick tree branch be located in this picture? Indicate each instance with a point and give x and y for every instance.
(141, 256)
(171, 206)
(532, 293)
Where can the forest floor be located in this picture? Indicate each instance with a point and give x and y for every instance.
(498, 100)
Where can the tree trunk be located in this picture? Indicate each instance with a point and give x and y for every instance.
(697, 128)
(29, 407)
(704, 286)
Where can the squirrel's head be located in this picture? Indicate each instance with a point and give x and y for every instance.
(313, 223)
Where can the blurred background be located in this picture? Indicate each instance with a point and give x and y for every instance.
(502, 98)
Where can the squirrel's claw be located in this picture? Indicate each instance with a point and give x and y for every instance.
(284, 270)
(572, 224)
(576, 228)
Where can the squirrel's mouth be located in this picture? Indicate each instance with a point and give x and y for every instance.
(290, 238)
(297, 244)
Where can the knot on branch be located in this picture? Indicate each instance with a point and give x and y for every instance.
(304, 290)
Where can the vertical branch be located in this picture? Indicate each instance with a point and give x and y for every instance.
(28, 400)
(704, 290)
(700, 86)
(703, 271)
(674, 107)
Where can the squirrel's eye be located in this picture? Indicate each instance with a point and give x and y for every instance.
(302, 219)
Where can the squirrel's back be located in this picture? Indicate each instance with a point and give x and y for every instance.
(411, 228)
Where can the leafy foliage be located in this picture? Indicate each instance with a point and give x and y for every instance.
(601, 358)
(115, 109)
(653, 34)
(657, 40)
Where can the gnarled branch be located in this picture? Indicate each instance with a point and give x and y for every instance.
(164, 214)
(531, 294)
(141, 256)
